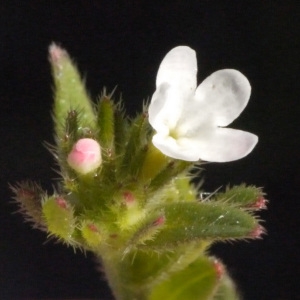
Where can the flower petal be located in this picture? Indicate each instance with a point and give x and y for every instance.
(223, 95)
(221, 144)
(176, 83)
(170, 147)
(179, 69)
(215, 145)
(165, 108)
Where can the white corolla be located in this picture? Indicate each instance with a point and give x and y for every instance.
(189, 121)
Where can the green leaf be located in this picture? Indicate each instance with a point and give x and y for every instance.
(70, 93)
(240, 196)
(191, 221)
(226, 290)
(196, 282)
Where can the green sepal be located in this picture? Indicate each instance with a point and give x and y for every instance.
(137, 140)
(105, 122)
(196, 282)
(191, 221)
(167, 172)
(70, 92)
(92, 234)
(59, 218)
(176, 189)
(71, 133)
(154, 162)
(121, 129)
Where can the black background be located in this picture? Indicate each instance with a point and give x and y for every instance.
(122, 43)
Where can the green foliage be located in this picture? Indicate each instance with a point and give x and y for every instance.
(185, 283)
(138, 212)
(136, 148)
(92, 233)
(121, 129)
(28, 196)
(241, 196)
(226, 290)
(59, 217)
(70, 93)
(192, 221)
(105, 122)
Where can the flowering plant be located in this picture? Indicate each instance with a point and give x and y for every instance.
(125, 192)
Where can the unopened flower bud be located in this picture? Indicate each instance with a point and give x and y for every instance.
(85, 156)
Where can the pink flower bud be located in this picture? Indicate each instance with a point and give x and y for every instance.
(85, 156)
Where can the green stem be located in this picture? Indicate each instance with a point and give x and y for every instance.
(132, 276)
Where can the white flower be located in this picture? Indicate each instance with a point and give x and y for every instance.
(188, 120)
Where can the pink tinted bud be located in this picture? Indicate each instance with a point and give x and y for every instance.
(85, 156)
